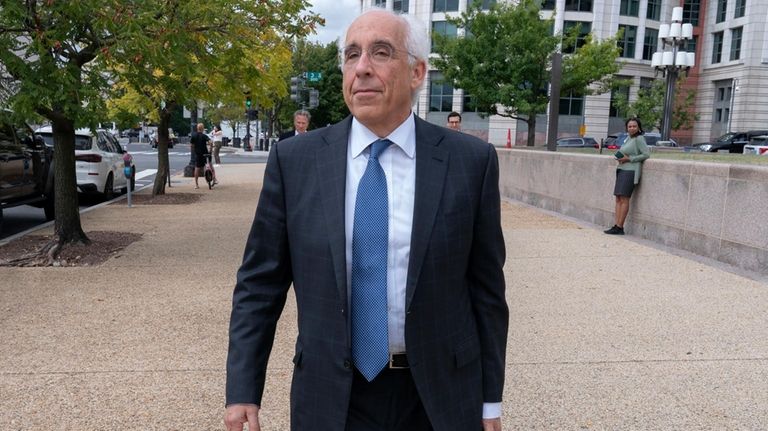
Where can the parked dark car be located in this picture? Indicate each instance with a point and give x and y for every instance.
(26, 168)
(733, 142)
(614, 142)
(577, 142)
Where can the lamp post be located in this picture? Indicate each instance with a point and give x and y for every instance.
(671, 60)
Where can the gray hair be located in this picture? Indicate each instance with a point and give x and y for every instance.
(302, 112)
(416, 41)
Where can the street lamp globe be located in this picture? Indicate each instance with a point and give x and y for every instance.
(671, 60)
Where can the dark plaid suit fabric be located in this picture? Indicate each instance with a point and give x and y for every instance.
(457, 316)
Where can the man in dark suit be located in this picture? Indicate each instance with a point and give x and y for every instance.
(300, 124)
(389, 229)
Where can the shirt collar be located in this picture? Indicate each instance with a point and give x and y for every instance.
(404, 136)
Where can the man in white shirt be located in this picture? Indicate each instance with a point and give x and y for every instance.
(389, 230)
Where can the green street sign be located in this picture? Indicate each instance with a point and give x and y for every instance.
(314, 76)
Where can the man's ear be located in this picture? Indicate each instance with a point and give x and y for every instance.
(418, 72)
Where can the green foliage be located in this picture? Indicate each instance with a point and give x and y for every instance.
(49, 55)
(592, 68)
(504, 61)
(213, 51)
(314, 57)
(649, 105)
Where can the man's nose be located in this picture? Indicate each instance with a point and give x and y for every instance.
(364, 64)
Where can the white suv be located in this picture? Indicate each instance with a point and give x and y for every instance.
(98, 162)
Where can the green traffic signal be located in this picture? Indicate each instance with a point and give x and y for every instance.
(248, 102)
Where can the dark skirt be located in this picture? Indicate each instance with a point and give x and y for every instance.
(625, 183)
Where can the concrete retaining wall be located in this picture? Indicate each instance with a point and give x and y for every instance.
(711, 209)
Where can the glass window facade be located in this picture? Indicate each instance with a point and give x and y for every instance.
(440, 93)
(572, 104)
(717, 47)
(444, 28)
(722, 5)
(400, 6)
(741, 8)
(585, 29)
(629, 7)
(691, 10)
(445, 6)
(650, 43)
(579, 5)
(736, 34)
(627, 42)
(654, 10)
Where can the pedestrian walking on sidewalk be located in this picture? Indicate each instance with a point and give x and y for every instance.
(389, 229)
(300, 124)
(217, 136)
(199, 143)
(454, 121)
(630, 158)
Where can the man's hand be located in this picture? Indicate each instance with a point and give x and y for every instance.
(239, 414)
(492, 424)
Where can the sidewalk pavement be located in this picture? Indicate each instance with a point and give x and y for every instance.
(606, 332)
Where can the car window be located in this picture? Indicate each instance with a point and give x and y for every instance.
(590, 142)
(651, 140)
(101, 142)
(7, 135)
(84, 143)
(117, 148)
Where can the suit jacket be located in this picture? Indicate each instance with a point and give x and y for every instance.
(289, 134)
(456, 312)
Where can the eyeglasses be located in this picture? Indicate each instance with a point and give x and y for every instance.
(378, 53)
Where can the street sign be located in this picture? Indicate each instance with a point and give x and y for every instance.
(314, 76)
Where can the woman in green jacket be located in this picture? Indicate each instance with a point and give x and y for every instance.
(630, 157)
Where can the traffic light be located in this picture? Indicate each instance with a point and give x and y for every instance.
(296, 84)
(314, 98)
(248, 102)
(253, 114)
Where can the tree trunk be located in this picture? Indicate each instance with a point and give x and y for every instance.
(531, 121)
(67, 226)
(163, 170)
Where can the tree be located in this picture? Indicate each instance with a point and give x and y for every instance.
(50, 52)
(503, 61)
(649, 105)
(314, 57)
(211, 51)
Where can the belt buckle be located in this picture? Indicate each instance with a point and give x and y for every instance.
(392, 364)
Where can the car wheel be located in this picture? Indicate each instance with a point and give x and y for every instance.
(109, 188)
(1, 219)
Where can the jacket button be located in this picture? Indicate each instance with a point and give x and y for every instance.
(347, 364)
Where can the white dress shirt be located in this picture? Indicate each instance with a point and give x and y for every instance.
(399, 165)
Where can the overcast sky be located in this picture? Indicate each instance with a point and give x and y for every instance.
(338, 14)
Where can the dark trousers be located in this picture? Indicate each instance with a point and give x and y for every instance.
(389, 403)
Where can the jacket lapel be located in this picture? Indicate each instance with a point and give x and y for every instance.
(331, 158)
(431, 168)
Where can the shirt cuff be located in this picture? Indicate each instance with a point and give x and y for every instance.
(491, 410)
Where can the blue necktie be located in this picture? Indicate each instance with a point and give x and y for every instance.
(370, 344)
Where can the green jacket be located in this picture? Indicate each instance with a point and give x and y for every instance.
(638, 152)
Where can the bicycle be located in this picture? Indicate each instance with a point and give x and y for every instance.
(209, 173)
